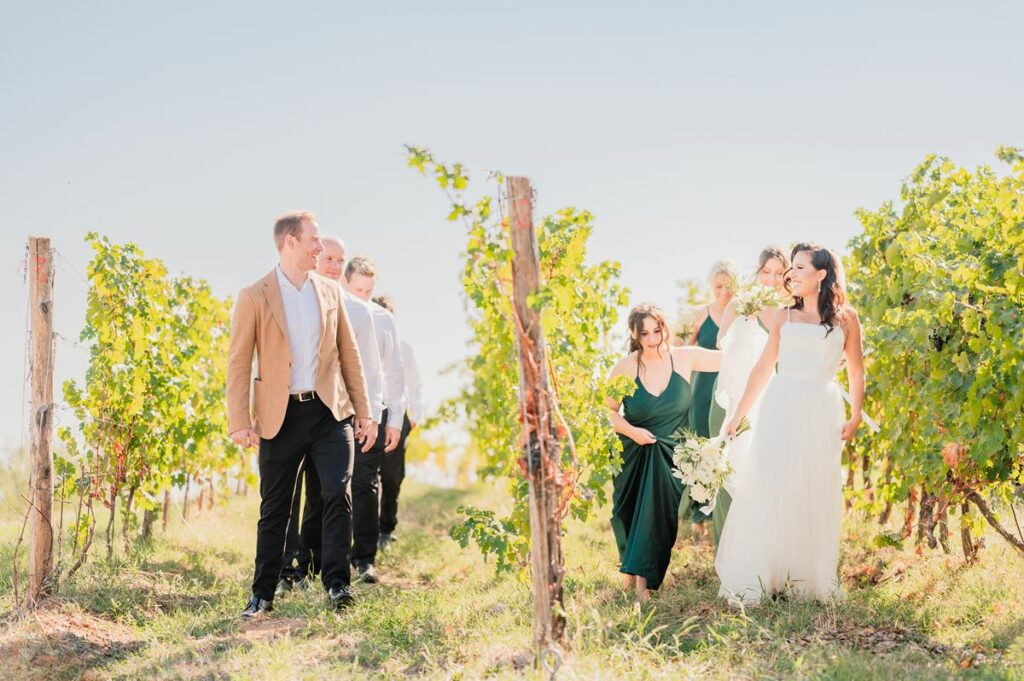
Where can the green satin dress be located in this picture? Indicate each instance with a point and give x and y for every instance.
(646, 496)
(724, 501)
(703, 396)
(704, 381)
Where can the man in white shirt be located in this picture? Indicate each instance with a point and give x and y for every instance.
(392, 470)
(303, 547)
(360, 278)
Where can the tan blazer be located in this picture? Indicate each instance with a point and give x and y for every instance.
(260, 324)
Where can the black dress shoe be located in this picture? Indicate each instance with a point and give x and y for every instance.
(341, 597)
(257, 606)
(283, 587)
(385, 541)
(366, 573)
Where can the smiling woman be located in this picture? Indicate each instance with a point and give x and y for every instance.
(646, 496)
(782, 532)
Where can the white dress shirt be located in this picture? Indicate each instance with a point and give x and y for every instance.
(361, 317)
(391, 361)
(413, 385)
(302, 311)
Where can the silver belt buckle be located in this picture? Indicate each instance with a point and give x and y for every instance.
(307, 396)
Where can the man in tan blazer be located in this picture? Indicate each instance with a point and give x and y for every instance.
(308, 386)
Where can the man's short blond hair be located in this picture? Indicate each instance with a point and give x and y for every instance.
(290, 223)
(361, 264)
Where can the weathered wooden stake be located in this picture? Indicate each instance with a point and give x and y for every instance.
(542, 454)
(40, 525)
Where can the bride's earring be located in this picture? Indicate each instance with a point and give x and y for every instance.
(819, 286)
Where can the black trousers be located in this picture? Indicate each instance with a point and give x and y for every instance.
(392, 473)
(309, 432)
(303, 547)
(366, 499)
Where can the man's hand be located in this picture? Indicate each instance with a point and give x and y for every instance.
(366, 433)
(246, 437)
(391, 438)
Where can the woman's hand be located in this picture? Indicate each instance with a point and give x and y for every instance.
(850, 428)
(642, 436)
(732, 426)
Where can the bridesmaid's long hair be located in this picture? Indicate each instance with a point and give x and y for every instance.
(832, 297)
(636, 328)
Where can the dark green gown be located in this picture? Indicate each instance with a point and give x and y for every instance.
(704, 381)
(724, 501)
(646, 496)
(703, 396)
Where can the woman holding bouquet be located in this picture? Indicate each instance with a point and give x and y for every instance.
(754, 306)
(783, 528)
(646, 496)
(723, 279)
(772, 265)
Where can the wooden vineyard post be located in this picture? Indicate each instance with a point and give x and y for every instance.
(542, 453)
(40, 527)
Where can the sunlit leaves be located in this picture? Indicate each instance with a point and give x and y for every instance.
(579, 305)
(151, 408)
(938, 286)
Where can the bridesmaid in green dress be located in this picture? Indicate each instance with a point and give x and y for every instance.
(646, 496)
(723, 279)
(772, 265)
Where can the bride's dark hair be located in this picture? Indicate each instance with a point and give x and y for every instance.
(832, 295)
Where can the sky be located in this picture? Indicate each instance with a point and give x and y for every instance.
(692, 131)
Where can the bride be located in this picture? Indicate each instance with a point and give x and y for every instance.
(782, 532)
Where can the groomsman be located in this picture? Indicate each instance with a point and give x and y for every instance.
(303, 547)
(308, 386)
(360, 278)
(392, 470)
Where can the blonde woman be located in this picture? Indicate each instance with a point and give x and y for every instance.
(723, 279)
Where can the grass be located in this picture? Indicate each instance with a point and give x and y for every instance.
(169, 610)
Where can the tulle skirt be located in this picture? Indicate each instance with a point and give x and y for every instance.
(782, 532)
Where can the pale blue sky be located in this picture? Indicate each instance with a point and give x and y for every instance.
(691, 130)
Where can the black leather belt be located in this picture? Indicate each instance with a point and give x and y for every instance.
(303, 397)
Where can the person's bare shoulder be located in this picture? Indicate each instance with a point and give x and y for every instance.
(624, 366)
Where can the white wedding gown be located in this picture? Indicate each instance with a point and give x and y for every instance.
(782, 532)
(741, 348)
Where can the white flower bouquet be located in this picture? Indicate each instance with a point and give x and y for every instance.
(754, 297)
(701, 464)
